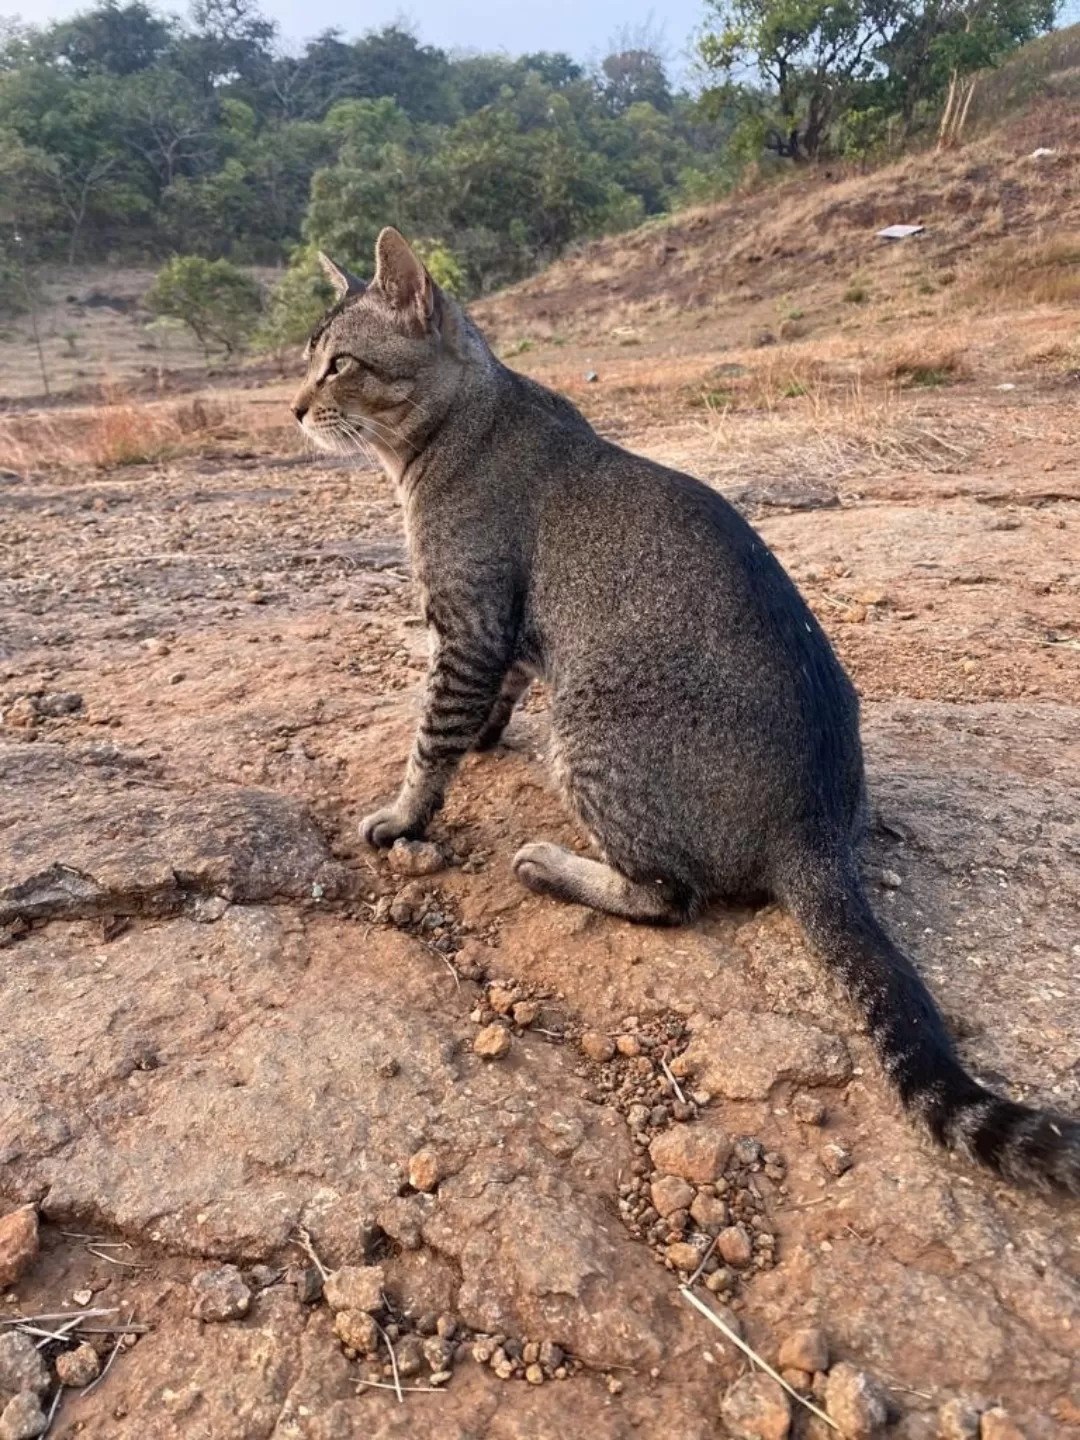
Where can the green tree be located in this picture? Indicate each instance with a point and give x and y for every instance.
(794, 66)
(218, 303)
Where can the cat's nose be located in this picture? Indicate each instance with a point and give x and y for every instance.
(299, 409)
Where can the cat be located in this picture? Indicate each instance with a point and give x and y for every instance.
(702, 728)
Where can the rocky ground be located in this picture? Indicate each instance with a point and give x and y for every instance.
(236, 1038)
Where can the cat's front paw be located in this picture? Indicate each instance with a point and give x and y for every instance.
(383, 827)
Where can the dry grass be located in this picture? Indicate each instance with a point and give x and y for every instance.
(1026, 272)
(120, 431)
(922, 360)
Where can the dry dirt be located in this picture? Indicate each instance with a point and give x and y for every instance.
(216, 1037)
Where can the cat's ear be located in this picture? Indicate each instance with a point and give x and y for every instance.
(401, 276)
(344, 281)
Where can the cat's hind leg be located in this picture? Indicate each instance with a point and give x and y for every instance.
(551, 870)
(514, 685)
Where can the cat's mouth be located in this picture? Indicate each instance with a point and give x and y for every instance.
(340, 434)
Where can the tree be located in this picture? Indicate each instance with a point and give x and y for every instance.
(794, 64)
(218, 303)
(802, 72)
(635, 76)
(112, 39)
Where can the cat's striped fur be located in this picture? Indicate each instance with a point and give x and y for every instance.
(703, 729)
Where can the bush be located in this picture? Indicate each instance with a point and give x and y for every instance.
(217, 302)
(295, 304)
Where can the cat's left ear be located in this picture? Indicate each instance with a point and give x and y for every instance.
(344, 281)
(401, 276)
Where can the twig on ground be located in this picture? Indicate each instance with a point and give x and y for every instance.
(109, 1362)
(748, 1350)
(400, 1390)
(90, 1314)
(704, 1260)
(304, 1241)
(53, 1408)
(393, 1362)
(112, 1260)
(114, 1329)
(447, 962)
(49, 1335)
(674, 1083)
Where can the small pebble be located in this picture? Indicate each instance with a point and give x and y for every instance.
(799, 1380)
(735, 1246)
(684, 1256)
(21, 1365)
(220, 1295)
(720, 1280)
(76, 1368)
(410, 1356)
(806, 1349)
(501, 999)
(808, 1109)
(747, 1150)
(22, 1418)
(415, 857)
(525, 1013)
(857, 1402)
(670, 1194)
(446, 1326)
(757, 1408)
(438, 1353)
(355, 1287)
(891, 880)
(998, 1424)
(18, 1245)
(534, 1374)
(836, 1158)
(83, 1297)
(424, 1170)
(357, 1330)
(628, 1045)
(958, 1420)
(597, 1047)
(551, 1356)
(308, 1282)
(492, 1042)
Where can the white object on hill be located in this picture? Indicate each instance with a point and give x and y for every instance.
(900, 232)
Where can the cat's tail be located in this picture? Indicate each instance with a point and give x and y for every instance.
(1020, 1143)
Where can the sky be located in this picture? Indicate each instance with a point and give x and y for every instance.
(582, 28)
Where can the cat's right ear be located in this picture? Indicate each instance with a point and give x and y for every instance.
(344, 281)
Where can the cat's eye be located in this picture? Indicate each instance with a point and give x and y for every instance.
(339, 364)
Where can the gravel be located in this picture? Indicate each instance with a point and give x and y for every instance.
(424, 1171)
(18, 1245)
(492, 1042)
(355, 1287)
(22, 1418)
(757, 1408)
(21, 1365)
(220, 1295)
(78, 1367)
(806, 1349)
(856, 1401)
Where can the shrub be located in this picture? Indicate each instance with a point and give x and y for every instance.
(216, 301)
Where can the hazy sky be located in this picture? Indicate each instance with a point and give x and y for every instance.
(583, 28)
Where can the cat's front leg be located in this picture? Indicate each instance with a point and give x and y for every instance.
(464, 680)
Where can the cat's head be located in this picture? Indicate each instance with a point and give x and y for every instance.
(385, 363)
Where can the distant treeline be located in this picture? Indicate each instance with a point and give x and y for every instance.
(129, 134)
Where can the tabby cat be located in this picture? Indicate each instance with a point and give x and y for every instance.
(702, 728)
